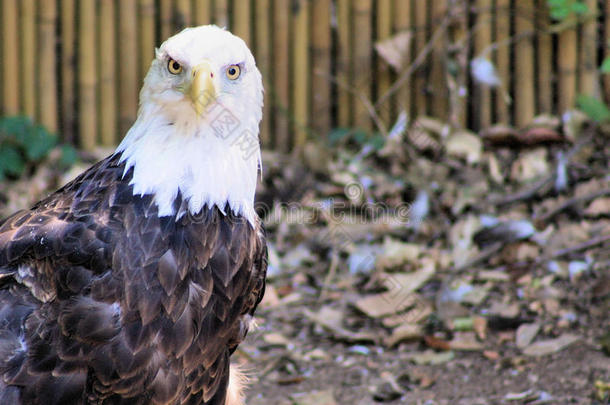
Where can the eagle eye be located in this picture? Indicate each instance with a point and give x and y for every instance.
(174, 67)
(233, 72)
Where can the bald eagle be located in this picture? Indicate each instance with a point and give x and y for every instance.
(134, 283)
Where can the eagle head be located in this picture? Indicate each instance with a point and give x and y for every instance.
(196, 134)
(201, 71)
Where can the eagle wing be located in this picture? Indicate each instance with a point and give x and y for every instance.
(71, 227)
(106, 300)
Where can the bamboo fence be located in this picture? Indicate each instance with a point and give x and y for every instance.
(76, 66)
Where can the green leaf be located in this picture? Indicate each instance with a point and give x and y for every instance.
(337, 135)
(14, 127)
(68, 156)
(580, 8)
(594, 108)
(605, 67)
(561, 10)
(377, 141)
(11, 161)
(360, 136)
(38, 143)
(560, 13)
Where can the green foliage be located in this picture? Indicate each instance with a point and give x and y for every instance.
(24, 145)
(597, 110)
(563, 9)
(356, 137)
(605, 67)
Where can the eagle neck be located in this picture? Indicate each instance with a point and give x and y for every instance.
(170, 159)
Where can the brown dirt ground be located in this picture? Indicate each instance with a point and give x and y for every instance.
(568, 377)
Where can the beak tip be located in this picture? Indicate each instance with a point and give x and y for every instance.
(203, 89)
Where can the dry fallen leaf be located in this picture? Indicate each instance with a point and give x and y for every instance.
(410, 282)
(480, 327)
(509, 310)
(525, 396)
(415, 314)
(436, 343)
(314, 398)
(400, 294)
(332, 320)
(544, 347)
(395, 50)
(438, 127)
(276, 339)
(407, 331)
(465, 144)
(491, 355)
(525, 334)
(530, 165)
(540, 135)
(395, 253)
(466, 341)
(460, 238)
(378, 305)
(598, 207)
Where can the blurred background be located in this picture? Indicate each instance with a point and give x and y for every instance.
(77, 66)
(436, 183)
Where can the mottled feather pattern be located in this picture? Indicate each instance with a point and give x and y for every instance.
(104, 302)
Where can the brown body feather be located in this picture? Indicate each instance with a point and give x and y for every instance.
(104, 302)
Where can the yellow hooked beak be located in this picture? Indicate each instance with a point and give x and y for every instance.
(203, 88)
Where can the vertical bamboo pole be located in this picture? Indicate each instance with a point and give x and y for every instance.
(182, 15)
(362, 60)
(28, 57)
(87, 75)
(221, 13)
(107, 64)
(166, 26)
(420, 79)
(68, 69)
(402, 22)
(344, 63)
(128, 66)
(459, 37)
(281, 74)
(241, 20)
(438, 77)
(588, 83)
(1, 55)
(147, 36)
(606, 76)
(383, 73)
(567, 65)
(47, 72)
(300, 71)
(544, 55)
(502, 28)
(482, 40)
(10, 57)
(202, 12)
(263, 60)
(321, 63)
(525, 99)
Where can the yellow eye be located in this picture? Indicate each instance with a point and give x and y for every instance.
(233, 72)
(174, 67)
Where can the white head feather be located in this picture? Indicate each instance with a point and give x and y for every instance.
(209, 153)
